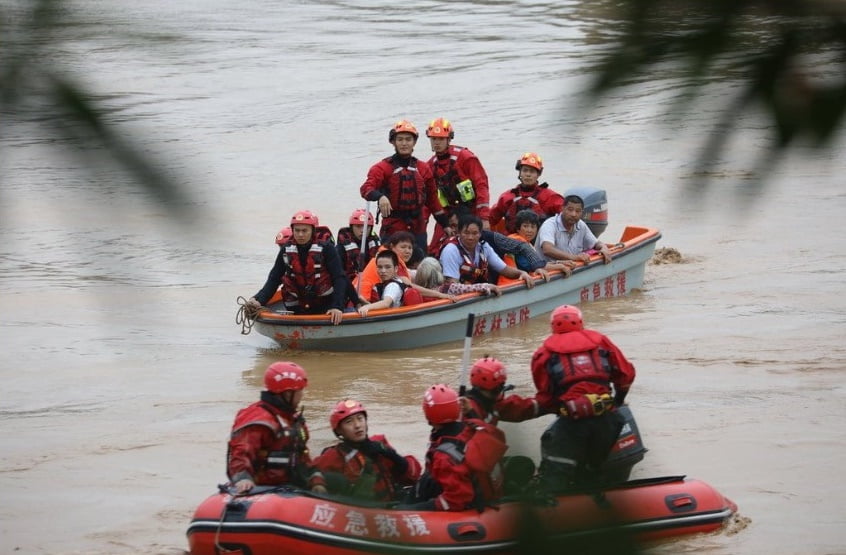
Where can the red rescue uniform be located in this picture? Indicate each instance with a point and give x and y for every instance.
(450, 464)
(410, 187)
(569, 365)
(349, 251)
(540, 199)
(344, 458)
(268, 446)
(512, 408)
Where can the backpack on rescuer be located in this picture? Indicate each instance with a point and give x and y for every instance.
(484, 450)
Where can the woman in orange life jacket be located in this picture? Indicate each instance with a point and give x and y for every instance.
(268, 445)
(430, 276)
(527, 229)
(574, 370)
(309, 270)
(453, 165)
(404, 187)
(360, 465)
(462, 460)
(529, 194)
(466, 257)
(392, 292)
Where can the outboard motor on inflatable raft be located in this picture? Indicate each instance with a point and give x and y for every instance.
(595, 214)
(628, 450)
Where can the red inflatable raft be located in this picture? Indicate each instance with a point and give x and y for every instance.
(289, 521)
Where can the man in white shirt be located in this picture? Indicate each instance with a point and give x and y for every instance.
(567, 237)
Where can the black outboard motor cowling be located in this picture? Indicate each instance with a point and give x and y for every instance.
(595, 214)
(628, 450)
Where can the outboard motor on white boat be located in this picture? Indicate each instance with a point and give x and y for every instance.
(628, 450)
(595, 214)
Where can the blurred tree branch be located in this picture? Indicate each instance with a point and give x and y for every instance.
(32, 89)
(790, 57)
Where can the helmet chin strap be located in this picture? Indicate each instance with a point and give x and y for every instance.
(278, 400)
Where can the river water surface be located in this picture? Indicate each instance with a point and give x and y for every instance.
(123, 367)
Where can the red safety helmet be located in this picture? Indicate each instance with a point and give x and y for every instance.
(440, 127)
(343, 409)
(488, 373)
(532, 159)
(566, 318)
(304, 217)
(358, 216)
(285, 376)
(402, 126)
(284, 234)
(440, 405)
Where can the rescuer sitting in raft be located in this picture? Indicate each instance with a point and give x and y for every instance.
(360, 465)
(462, 461)
(268, 445)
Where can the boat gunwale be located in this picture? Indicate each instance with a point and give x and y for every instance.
(268, 317)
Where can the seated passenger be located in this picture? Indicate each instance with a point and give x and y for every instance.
(402, 243)
(430, 276)
(309, 270)
(392, 292)
(567, 237)
(362, 466)
(486, 400)
(462, 461)
(466, 258)
(527, 230)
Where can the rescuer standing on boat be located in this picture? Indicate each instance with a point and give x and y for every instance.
(459, 176)
(573, 371)
(404, 188)
(528, 195)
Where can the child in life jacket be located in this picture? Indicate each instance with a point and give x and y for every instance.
(360, 465)
(392, 292)
(462, 460)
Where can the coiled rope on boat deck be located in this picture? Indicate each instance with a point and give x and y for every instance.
(246, 315)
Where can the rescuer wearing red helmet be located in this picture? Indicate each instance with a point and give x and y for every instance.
(349, 242)
(486, 400)
(462, 461)
(528, 195)
(404, 188)
(268, 441)
(460, 178)
(360, 465)
(309, 270)
(574, 370)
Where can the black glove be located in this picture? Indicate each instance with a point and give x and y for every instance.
(619, 397)
(371, 448)
(400, 463)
